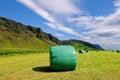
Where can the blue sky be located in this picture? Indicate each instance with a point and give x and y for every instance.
(96, 21)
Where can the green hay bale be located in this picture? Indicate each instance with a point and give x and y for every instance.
(81, 51)
(97, 50)
(118, 51)
(112, 50)
(62, 58)
(87, 51)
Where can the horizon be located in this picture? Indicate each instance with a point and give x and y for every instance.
(94, 21)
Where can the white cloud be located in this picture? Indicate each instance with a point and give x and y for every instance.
(59, 35)
(58, 6)
(63, 29)
(43, 7)
(112, 46)
(117, 3)
(102, 30)
(37, 9)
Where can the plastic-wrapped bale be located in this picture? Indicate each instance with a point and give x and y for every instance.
(81, 51)
(62, 58)
(118, 51)
(87, 50)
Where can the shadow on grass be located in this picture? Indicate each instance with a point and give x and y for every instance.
(45, 69)
(42, 69)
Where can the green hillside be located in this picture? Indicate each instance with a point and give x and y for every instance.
(16, 35)
(79, 44)
(10, 39)
(12, 36)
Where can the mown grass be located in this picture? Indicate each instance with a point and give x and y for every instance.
(102, 65)
(13, 51)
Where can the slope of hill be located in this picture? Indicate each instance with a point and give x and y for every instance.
(98, 46)
(79, 44)
(17, 35)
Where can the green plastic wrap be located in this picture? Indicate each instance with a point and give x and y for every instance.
(118, 51)
(62, 58)
(81, 51)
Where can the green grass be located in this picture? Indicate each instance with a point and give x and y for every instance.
(13, 51)
(102, 65)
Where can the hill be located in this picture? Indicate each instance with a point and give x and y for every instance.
(98, 46)
(16, 35)
(78, 44)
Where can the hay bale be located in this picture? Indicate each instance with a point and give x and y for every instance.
(118, 51)
(97, 50)
(81, 51)
(62, 58)
(87, 50)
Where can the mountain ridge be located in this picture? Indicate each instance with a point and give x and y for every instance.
(30, 36)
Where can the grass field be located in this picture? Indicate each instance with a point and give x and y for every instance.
(102, 65)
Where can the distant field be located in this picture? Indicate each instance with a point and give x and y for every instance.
(102, 65)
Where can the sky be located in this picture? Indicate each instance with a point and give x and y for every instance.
(94, 21)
